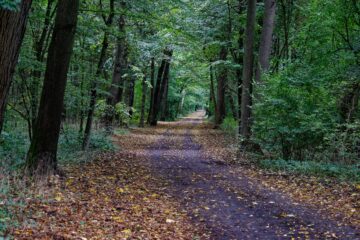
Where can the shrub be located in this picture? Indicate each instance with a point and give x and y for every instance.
(229, 126)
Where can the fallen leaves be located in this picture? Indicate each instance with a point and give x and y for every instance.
(112, 197)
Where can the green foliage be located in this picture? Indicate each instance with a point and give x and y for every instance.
(12, 5)
(13, 148)
(230, 126)
(70, 143)
(323, 169)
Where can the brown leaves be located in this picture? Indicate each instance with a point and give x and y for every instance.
(114, 197)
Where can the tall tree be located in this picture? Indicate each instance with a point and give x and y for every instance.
(247, 74)
(120, 62)
(108, 20)
(12, 29)
(266, 39)
(152, 83)
(143, 100)
(221, 88)
(42, 153)
(162, 79)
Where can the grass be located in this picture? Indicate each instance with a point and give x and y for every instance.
(321, 169)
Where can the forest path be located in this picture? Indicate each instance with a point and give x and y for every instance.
(231, 206)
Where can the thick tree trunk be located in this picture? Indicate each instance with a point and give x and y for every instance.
(152, 82)
(221, 80)
(266, 39)
(248, 70)
(164, 103)
(12, 29)
(41, 157)
(143, 101)
(163, 76)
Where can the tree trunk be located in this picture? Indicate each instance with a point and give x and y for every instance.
(232, 103)
(131, 94)
(41, 157)
(164, 103)
(266, 40)
(152, 82)
(99, 70)
(349, 103)
(222, 77)
(212, 89)
(143, 101)
(40, 46)
(120, 65)
(163, 76)
(248, 70)
(12, 29)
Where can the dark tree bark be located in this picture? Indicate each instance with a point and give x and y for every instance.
(12, 29)
(162, 78)
(131, 94)
(143, 101)
(164, 103)
(42, 153)
(232, 103)
(248, 70)
(212, 89)
(93, 92)
(349, 103)
(40, 46)
(266, 39)
(152, 82)
(120, 63)
(221, 85)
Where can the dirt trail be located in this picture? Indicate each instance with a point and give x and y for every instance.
(162, 184)
(231, 206)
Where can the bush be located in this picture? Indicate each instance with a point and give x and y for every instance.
(230, 126)
(13, 149)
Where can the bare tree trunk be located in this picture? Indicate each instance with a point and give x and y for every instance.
(12, 29)
(248, 70)
(221, 85)
(143, 101)
(42, 153)
(266, 39)
(152, 82)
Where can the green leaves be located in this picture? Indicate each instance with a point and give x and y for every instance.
(12, 5)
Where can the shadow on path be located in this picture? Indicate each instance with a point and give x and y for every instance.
(232, 206)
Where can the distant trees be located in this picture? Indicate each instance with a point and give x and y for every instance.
(42, 154)
(12, 29)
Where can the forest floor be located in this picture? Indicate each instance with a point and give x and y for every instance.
(176, 181)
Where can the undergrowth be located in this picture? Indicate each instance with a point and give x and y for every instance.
(322, 169)
(13, 148)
